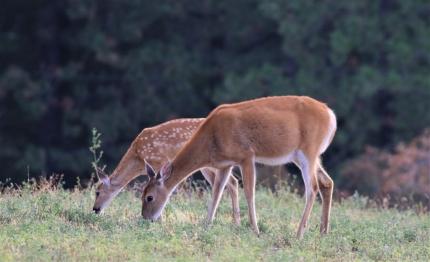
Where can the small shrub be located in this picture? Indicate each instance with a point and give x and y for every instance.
(403, 174)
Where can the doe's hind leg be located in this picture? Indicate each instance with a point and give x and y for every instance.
(326, 192)
(308, 169)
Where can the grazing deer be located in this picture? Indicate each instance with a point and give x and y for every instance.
(155, 145)
(272, 131)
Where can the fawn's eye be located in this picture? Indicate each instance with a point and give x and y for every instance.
(97, 194)
(149, 198)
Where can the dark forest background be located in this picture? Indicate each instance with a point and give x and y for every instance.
(120, 66)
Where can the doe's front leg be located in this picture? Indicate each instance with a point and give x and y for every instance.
(219, 182)
(248, 176)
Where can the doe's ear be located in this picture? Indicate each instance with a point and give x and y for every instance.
(149, 170)
(166, 171)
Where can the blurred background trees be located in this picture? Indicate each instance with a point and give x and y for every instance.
(67, 66)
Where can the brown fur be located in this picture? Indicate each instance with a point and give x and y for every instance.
(157, 145)
(267, 130)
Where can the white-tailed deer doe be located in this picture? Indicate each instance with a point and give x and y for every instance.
(272, 131)
(156, 145)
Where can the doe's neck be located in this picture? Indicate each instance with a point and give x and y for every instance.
(192, 157)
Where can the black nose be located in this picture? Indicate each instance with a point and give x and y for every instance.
(97, 210)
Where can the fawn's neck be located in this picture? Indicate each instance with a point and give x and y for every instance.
(128, 168)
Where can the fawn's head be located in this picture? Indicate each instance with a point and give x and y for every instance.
(155, 195)
(105, 192)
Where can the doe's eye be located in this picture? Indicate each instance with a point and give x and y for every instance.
(97, 194)
(149, 198)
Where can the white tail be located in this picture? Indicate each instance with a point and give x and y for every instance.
(156, 145)
(273, 130)
(330, 132)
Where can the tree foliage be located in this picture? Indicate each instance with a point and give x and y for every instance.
(119, 66)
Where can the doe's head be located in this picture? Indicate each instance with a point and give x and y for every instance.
(155, 194)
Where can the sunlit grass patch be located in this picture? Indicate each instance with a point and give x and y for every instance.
(56, 224)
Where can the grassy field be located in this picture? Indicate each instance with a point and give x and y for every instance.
(56, 224)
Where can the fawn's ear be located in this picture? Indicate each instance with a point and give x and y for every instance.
(103, 177)
(165, 171)
(149, 170)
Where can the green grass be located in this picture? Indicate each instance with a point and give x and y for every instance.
(58, 225)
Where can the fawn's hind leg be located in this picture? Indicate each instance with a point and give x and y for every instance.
(233, 190)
